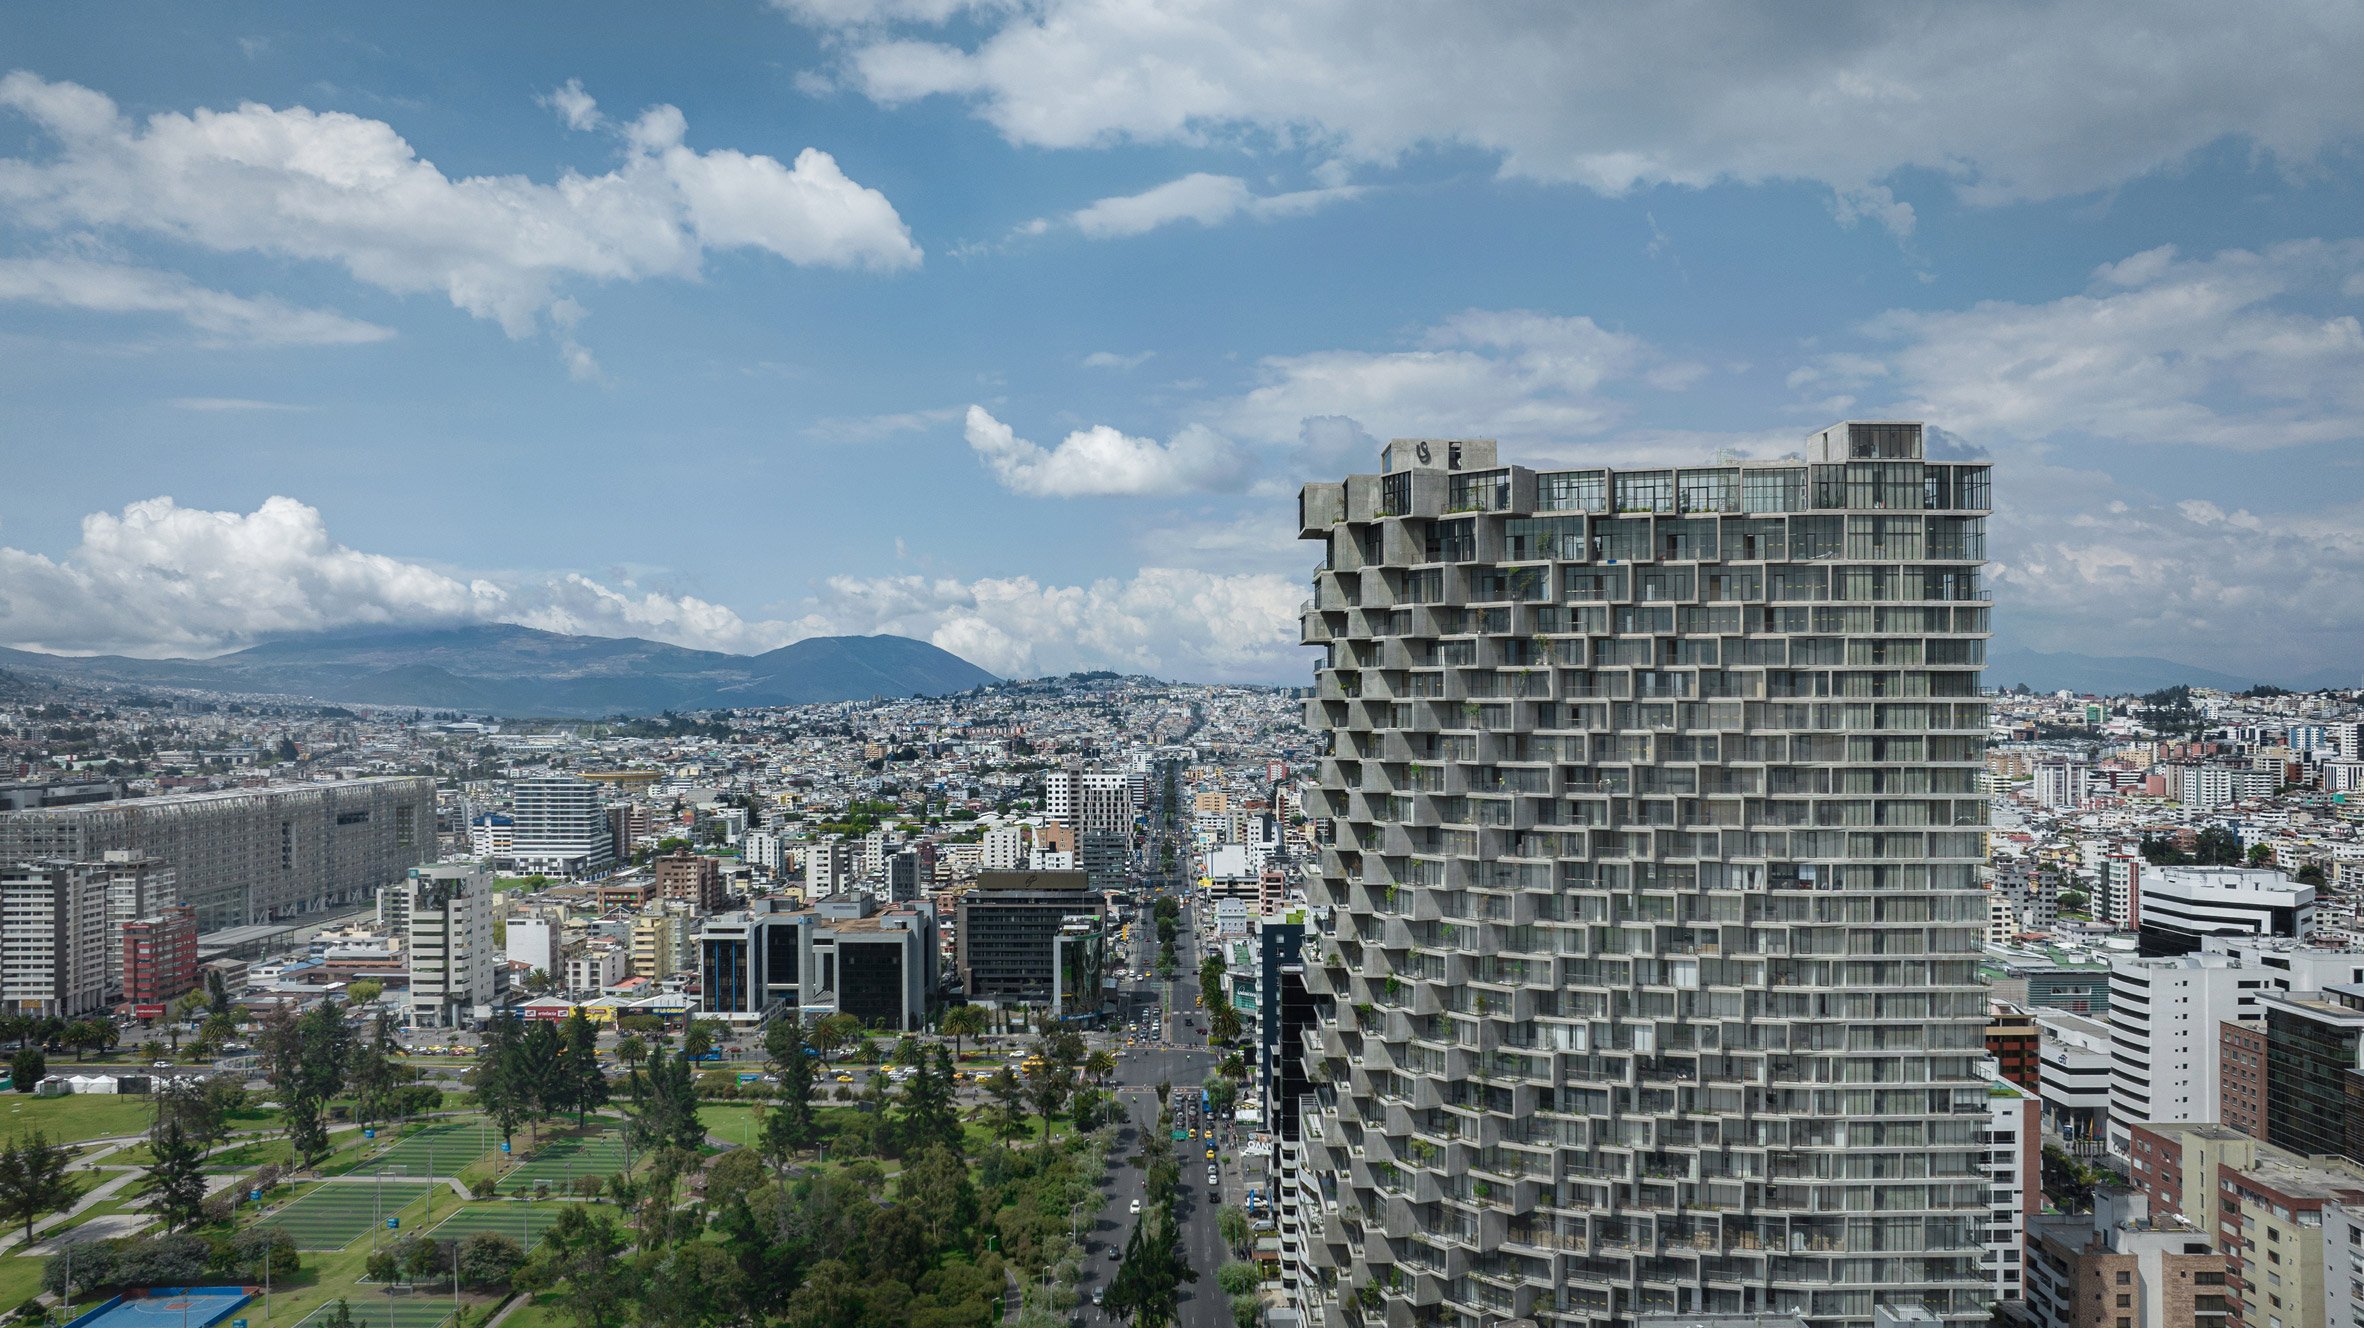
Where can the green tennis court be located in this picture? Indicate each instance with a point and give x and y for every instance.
(330, 1217)
(520, 1222)
(558, 1162)
(435, 1150)
(377, 1310)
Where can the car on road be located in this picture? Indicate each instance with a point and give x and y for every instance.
(845, 1078)
(1135, 1210)
(1210, 1155)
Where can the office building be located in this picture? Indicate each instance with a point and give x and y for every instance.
(845, 955)
(1011, 925)
(692, 879)
(2313, 1074)
(54, 939)
(2121, 1267)
(34, 795)
(2183, 906)
(249, 857)
(561, 828)
(2166, 1022)
(2073, 1074)
(906, 875)
(453, 961)
(1656, 803)
(159, 960)
(492, 836)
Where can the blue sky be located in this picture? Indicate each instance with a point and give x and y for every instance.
(1014, 325)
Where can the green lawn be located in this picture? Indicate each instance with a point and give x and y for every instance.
(331, 1217)
(20, 1278)
(520, 1221)
(74, 1117)
(732, 1122)
(441, 1148)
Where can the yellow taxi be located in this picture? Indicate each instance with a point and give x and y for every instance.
(845, 1078)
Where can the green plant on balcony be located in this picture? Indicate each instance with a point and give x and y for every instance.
(1482, 1189)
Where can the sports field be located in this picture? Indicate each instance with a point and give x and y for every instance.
(558, 1162)
(330, 1217)
(373, 1309)
(520, 1222)
(194, 1306)
(441, 1149)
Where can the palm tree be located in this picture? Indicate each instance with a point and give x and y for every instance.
(1101, 1065)
(964, 1021)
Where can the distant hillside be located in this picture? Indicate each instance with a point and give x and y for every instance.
(517, 671)
(2102, 675)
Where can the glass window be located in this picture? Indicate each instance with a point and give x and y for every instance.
(1560, 537)
(1572, 491)
(1708, 490)
(1489, 492)
(1773, 490)
(1623, 540)
(1395, 494)
(1452, 541)
(1645, 491)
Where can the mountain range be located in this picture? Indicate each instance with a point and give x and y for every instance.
(2120, 675)
(501, 669)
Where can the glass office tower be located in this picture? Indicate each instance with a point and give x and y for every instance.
(1654, 879)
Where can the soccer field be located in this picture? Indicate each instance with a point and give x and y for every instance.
(560, 1161)
(330, 1217)
(441, 1149)
(520, 1222)
(372, 1309)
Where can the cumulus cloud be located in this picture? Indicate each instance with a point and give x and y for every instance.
(159, 579)
(2225, 351)
(2007, 103)
(338, 188)
(1169, 621)
(1209, 200)
(218, 317)
(1108, 359)
(1101, 461)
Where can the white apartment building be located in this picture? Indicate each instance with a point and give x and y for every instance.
(2206, 787)
(2167, 1014)
(139, 885)
(561, 828)
(2117, 889)
(597, 966)
(2015, 1180)
(2181, 906)
(764, 849)
(2343, 1265)
(452, 958)
(536, 941)
(1003, 848)
(2060, 785)
(54, 938)
(828, 867)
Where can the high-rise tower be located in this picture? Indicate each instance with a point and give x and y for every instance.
(1654, 878)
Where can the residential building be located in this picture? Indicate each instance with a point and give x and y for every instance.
(492, 835)
(2166, 1022)
(139, 885)
(828, 867)
(453, 962)
(159, 960)
(2121, 1267)
(690, 878)
(561, 828)
(597, 966)
(656, 945)
(249, 856)
(538, 942)
(2270, 1225)
(1003, 849)
(2059, 785)
(2015, 1182)
(2241, 1076)
(2343, 1265)
(1616, 760)
(2015, 1042)
(54, 938)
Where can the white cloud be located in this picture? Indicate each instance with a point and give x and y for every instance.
(337, 188)
(1100, 461)
(1209, 200)
(1168, 621)
(1514, 374)
(2226, 351)
(163, 579)
(1108, 359)
(870, 428)
(574, 106)
(580, 606)
(220, 318)
(2006, 102)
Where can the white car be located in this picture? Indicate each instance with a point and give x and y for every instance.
(1136, 1208)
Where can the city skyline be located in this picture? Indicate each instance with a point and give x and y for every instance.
(1014, 329)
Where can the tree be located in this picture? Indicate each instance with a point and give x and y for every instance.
(930, 1118)
(339, 1314)
(664, 1111)
(580, 1254)
(1009, 1102)
(1232, 1225)
(963, 1021)
(585, 1083)
(1048, 1088)
(2075, 901)
(2311, 874)
(217, 992)
(2261, 855)
(498, 1081)
(937, 1188)
(372, 1074)
(27, 1068)
(541, 1079)
(364, 990)
(489, 1259)
(1101, 1065)
(176, 1179)
(33, 1180)
(631, 1051)
(788, 1124)
(1237, 1278)
(698, 1038)
(323, 1046)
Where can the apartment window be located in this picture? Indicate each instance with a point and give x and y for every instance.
(1773, 490)
(2125, 1302)
(1572, 491)
(2125, 1278)
(1452, 541)
(1479, 493)
(1708, 490)
(1395, 494)
(1645, 491)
